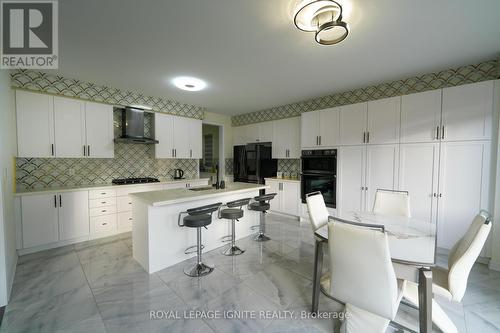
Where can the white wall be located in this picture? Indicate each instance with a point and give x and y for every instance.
(8, 256)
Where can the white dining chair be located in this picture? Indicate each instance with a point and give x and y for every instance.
(451, 282)
(363, 277)
(316, 207)
(392, 202)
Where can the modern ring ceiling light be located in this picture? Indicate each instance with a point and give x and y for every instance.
(324, 17)
(189, 83)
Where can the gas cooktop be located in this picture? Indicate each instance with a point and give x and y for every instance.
(142, 180)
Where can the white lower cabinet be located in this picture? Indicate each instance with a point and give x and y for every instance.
(103, 224)
(463, 188)
(53, 217)
(287, 200)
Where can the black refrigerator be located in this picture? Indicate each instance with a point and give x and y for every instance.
(253, 162)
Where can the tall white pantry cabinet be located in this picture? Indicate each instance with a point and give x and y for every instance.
(442, 156)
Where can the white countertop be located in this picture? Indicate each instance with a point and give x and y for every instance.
(291, 180)
(168, 197)
(99, 186)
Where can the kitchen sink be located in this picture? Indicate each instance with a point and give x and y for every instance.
(204, 188)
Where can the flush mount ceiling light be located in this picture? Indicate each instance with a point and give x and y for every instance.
(324, 17)
(189, 83)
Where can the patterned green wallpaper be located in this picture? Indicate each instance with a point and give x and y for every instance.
(452, 77)
(59, 85)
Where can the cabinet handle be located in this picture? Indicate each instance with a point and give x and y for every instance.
(84, 151)
(364, 137)
(320, 140)
(190, 153)
(103, 202)
(103, 211)
(440, 195)
(60, 200)
(55, 201)
(437, 132)
(442, 133)
(129, 203)
(130, 219)
(103, 193)
(105, 223)
(52, 149)
(367, 137)
(172, 152)
(88, 150)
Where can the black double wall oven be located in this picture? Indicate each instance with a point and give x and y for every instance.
(319, 173)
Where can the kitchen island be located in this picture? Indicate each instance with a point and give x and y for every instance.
(158, 241)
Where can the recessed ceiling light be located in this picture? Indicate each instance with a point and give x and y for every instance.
(189, 83)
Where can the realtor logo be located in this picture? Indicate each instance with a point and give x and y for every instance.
(29, 34)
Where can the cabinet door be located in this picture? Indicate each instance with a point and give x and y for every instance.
(266, 131)
(251, 133)
(39, 219)
(164, 128)
(280, 136)
(463, 188)
(99, 130)
(35, 124)
(352, 124)
(329, 126)
(293, 140)
(290, 198)
(195, 138)
(309, 129)
(274, 187)
(73, 215)
(420, 117)
(351, 174)
(69, 123)
(384, 120)
(182, 126)
(381, 170)
(239, 135)
(467, 111)
(418, 174)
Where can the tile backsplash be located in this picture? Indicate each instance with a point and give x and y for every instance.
(131, 160)
(289, 167)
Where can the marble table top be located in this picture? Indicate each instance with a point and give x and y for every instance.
(174, 196)
(410, 240)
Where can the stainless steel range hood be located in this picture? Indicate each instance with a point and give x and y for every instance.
(133, 127)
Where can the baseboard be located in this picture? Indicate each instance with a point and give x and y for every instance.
(12, 277)
(2, 311)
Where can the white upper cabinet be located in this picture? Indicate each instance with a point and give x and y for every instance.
(383, 120)
(99, 130)
(320, 128)
(309, 129)
(329, 127)
(239, 135)
(49, 126)
(265, 131)
(418, 174)
(353, 124)
(251, 133)
(286, 138)
(467, 112)
(179, 137)
(164, 126)
(35, 125)
(195, 138)
(69, 123)
(421, 117)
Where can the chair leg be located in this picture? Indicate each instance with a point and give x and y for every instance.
(261, 237)
(200, 269)
(232, 249)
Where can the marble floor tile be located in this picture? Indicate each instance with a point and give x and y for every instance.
(97, 286)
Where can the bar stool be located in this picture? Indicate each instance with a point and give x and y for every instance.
(197, 218)
(233, 212)
(261, 204)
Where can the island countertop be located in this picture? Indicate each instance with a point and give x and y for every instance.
(174, 196)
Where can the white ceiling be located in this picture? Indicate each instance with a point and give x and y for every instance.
(253, 57)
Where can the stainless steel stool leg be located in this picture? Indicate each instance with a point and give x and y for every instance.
(261, 237)
(200, 269)
(233, 250)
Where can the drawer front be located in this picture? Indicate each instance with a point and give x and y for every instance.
(98, 194)
(125, 221)
(124, 204)
(95, 203)
(105, 223)
(99, 211)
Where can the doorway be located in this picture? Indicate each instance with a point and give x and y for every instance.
(212, 161)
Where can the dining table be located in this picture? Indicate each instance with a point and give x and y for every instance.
(412, 244)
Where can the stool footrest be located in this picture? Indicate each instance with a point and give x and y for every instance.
(226, 238)
(193, 249)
